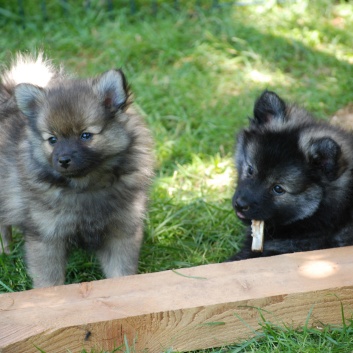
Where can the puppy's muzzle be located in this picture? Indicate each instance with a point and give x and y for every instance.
(64, 161)
(240, 204)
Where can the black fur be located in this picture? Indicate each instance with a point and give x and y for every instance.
(295, 174)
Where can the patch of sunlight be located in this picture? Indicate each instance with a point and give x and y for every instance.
(315, 39)
(211, 180)
(345, 11)
(276, 77)
(318, 269)
(235, 67)
(309, 35)
(303, 16)
(260, 77)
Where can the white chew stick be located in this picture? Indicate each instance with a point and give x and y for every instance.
(257, 232)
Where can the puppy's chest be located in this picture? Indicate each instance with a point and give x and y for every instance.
(67, 213)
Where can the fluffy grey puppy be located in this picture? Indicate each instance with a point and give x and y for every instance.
(76, 163)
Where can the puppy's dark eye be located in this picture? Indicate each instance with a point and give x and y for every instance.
(250, 170)
(52, 140)
(278, 190)
(85, 136)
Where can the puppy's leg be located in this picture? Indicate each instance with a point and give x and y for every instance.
(46, 261)
(6, 239)
(120, 253)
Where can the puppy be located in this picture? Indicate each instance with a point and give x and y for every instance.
(76, 164)
(295, 175)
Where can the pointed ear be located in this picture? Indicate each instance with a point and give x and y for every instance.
(29, 98)
(111, 87)
(268, 107)
(326, 155)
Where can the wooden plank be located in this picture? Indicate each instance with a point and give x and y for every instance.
(214, 305)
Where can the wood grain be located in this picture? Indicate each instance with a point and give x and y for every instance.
(187, 309)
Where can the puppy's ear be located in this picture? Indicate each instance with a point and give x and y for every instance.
(326, 155)
(112, 89)
(269, 107)
(29, 98)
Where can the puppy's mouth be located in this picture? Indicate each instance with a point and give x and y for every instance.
(240, 215)
(78, 173)
(243, 218)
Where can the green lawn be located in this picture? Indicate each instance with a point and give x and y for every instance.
(195, 74)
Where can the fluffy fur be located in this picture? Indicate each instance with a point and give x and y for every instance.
(75, 167)
(294, 173)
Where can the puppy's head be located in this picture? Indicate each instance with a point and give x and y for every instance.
(288, 165)
(77, 124)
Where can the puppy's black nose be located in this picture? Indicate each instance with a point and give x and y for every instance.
(64, 161)
(240, 204)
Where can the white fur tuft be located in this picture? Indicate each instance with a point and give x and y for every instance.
(29, 69)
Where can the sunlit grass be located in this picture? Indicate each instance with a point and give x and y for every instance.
(197, 224)
(212, 180)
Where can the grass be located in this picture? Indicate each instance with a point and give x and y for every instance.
(281, 338)
(195, 74)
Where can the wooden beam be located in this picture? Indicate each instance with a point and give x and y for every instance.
(187, 309)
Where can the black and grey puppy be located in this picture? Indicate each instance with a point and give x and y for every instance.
(76, 163)
(295, 174)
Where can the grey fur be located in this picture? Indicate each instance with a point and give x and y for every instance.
(76, 163)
